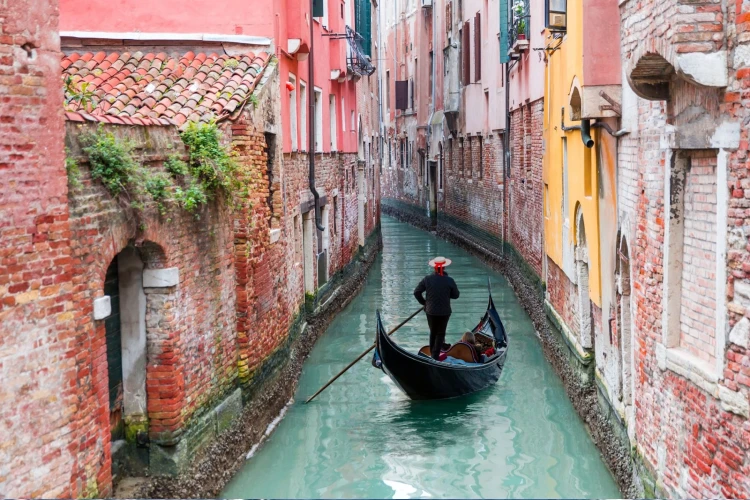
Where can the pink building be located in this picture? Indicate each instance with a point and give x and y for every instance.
(281, 26)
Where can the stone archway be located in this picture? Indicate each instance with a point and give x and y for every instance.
(125, 333)
(585, 326)
(624, 322)
(137, 286)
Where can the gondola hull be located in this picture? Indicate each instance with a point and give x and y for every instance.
(421, 377)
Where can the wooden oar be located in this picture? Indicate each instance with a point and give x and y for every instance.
(360, 357)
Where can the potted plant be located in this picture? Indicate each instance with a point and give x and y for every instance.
(521, 34)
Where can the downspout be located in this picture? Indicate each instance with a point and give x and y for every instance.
(311, 128)
(506, 156)
(584, 127)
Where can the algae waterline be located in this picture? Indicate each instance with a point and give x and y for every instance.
(363, 438)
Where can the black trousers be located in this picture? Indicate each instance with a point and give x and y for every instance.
(438, 325)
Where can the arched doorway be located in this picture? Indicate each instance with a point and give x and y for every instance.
(625, 322)
(582, 275)
(125, 333)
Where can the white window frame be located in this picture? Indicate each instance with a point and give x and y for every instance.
(318, 107)
(332, 118)
(303, 115)
(293, 112)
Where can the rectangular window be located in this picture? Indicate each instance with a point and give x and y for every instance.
(332, 119)
(318, 106)
(466, 47)
(402, 95)
(303, 115)
(478, 47)
(293, 112)
(432, 68)
(354, 125)
(343, 115)
(387, 112)
(461, 58)
(556, 14)
(692, 295)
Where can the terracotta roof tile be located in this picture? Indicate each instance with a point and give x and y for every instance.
(161, 89)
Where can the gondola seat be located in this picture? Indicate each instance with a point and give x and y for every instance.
(460, 350)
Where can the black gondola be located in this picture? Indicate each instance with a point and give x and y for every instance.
(421, 377)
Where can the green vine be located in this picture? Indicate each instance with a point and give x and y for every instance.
(72, 170)
(210, 169)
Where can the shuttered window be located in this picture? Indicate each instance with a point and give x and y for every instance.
(466, 47)
(478, 47)
(363, 24)
(402, 95)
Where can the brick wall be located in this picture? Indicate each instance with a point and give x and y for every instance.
(691, 432)
(471, 198)
(526, 224)
(41, 438)
(698, 301)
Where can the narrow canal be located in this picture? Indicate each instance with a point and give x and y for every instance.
(363, 438)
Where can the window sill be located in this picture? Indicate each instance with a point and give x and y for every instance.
(689, 366)
(701, 373)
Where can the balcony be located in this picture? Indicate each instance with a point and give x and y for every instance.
(518, 30)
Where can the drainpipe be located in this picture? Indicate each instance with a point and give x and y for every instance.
(506, 156)
(584, 127)
(586, 133)
(311, 128)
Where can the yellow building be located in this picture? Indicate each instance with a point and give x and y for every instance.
(582, 92)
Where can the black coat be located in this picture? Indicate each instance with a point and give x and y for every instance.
(440, 290)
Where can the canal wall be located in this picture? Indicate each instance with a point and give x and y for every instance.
(271, 390)
(574, 366)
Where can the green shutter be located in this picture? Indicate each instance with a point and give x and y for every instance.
(318, 10)
(363, 24)
(504, 58)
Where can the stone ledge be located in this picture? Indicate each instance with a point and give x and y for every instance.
(102, 307)
(688, 366)
(161, 278)
(585, 356)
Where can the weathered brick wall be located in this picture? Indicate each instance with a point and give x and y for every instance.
(191, 346)
(526, 224)
(563, 296)
(698, 301)
(475, 195)
(41, 436)
(692, 431)
(336, 175)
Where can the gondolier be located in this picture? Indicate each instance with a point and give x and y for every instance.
(440, 289)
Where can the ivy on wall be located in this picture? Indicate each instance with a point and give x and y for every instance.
(210, 171)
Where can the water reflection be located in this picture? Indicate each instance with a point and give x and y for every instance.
(363, 438)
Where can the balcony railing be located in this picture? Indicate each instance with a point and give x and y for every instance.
(518, 31)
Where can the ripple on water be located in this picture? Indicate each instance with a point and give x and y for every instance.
(363, 438)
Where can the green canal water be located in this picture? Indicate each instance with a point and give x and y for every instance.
(363, 438)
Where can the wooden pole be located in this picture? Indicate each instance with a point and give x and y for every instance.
(360, 357)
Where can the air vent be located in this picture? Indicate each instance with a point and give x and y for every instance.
(557, 20)
(426, 3)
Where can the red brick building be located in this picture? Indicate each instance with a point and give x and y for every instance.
(135, 329)
(684, 249)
